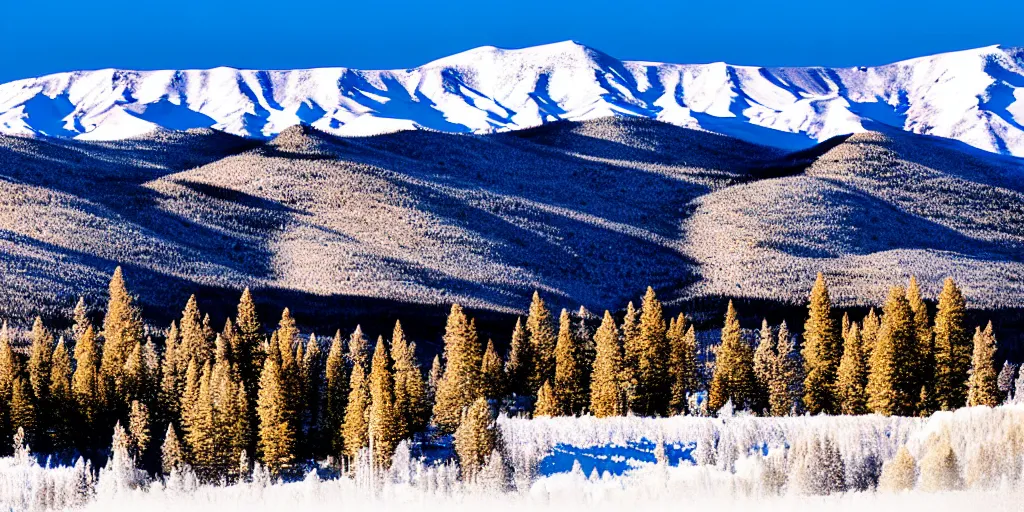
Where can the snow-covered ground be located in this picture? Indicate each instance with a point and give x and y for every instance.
(736, 463)
(975, 96)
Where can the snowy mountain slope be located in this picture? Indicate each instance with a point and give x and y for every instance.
(974, 96)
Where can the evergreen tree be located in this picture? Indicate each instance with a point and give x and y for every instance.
(925, 364)
(519, 368)
(355, 430)
(248, 352)
(23, 411)
(459, 386)
(436, 371)
(853, 375)
(547, 404)
(138, 429)
(172, 456)
(1007, 374)
(786, 388)
(85, 381)
(630, 349)
(410, 389)
(821, 352)
(172, 377)
(869, 333)
(9, 371)
(194, 343)
(492, 373)
(765, 356)
(952, 348)
(336, 394)
(39, 362)
(606, 390)
(277, 431)
(475, 439)
(540, 328)
(588, 349)
(385, 423)
(80, 319)
(733, 378)
(122, 328)
(569, 392)
(200, 428)
(312, 371)
(982, 385)
(653, 382)
(892, 383)
(62, 401)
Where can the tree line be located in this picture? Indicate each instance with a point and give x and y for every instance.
(214, 401)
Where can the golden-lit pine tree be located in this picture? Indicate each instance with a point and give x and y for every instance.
(277, 436)
(853, 375)
(433, 377)
(355, 430)
(335, 394)
(122, 328)
(733, 378)
(892, 382)
(547, 404)
(786, 388)
(682, 364)
(9, 371)
(22, 409)
(476, 438)
(653, 381)
(925, 363)
(386, 425)
(248, 352)
(39, 361)
(492, 373)
(459, 386)
(765, 356)
(410, 388)
(630, 352)
(312, 372)
(172, 377)
(869, 332)
(138, 429)
(194, 344)
(80, 319)
(62, 401)
(85, 381)
(519, 366)
(821, 352)
(952, 348)
(230, 411)
(982, 385)
(569, 391)
(607, 396)
(172, 455)
(540, 328)
(201, 428)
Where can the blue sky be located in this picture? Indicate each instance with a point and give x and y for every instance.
(39, 36)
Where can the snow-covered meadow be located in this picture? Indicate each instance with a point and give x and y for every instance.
(729, 463)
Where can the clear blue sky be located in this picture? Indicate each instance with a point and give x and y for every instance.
(45, 36)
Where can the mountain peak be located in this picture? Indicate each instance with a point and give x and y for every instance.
(489, 89)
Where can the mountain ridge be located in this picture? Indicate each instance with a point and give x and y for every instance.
(975, 96)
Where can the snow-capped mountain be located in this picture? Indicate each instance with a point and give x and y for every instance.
(975, 96)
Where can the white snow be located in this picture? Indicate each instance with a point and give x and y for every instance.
(975, 96)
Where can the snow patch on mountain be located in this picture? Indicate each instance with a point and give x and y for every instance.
(975, 96)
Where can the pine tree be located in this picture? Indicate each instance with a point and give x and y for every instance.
(630, 351)
(569, 391)
(606, 390)
(765, 356)
(821, 352)
(547, 404)
(201, 429)
(277, 431)
(336, 395)
(356, 427)
(869, 332)
(459, 386)
(248, 352)
(733, 378)
(39, 361)
(80, 319)
(138, 429)
(230, 411)
(172, 377)
(85, 381)
(892, 383)
(122, 328)
(312, 372)
(588, 350)
(62, 402)
(410, 389)
(475, 439)
(952, 348)
(925, 363)
(682, 364)
(653, 382)
(853, 376)
(23, 411)
(982, 385)
(786, 388)
(492, 373)
(434, 377)
(519, 367)
(540, 328)
(172, 457)
(385, 423)
(9, 370)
